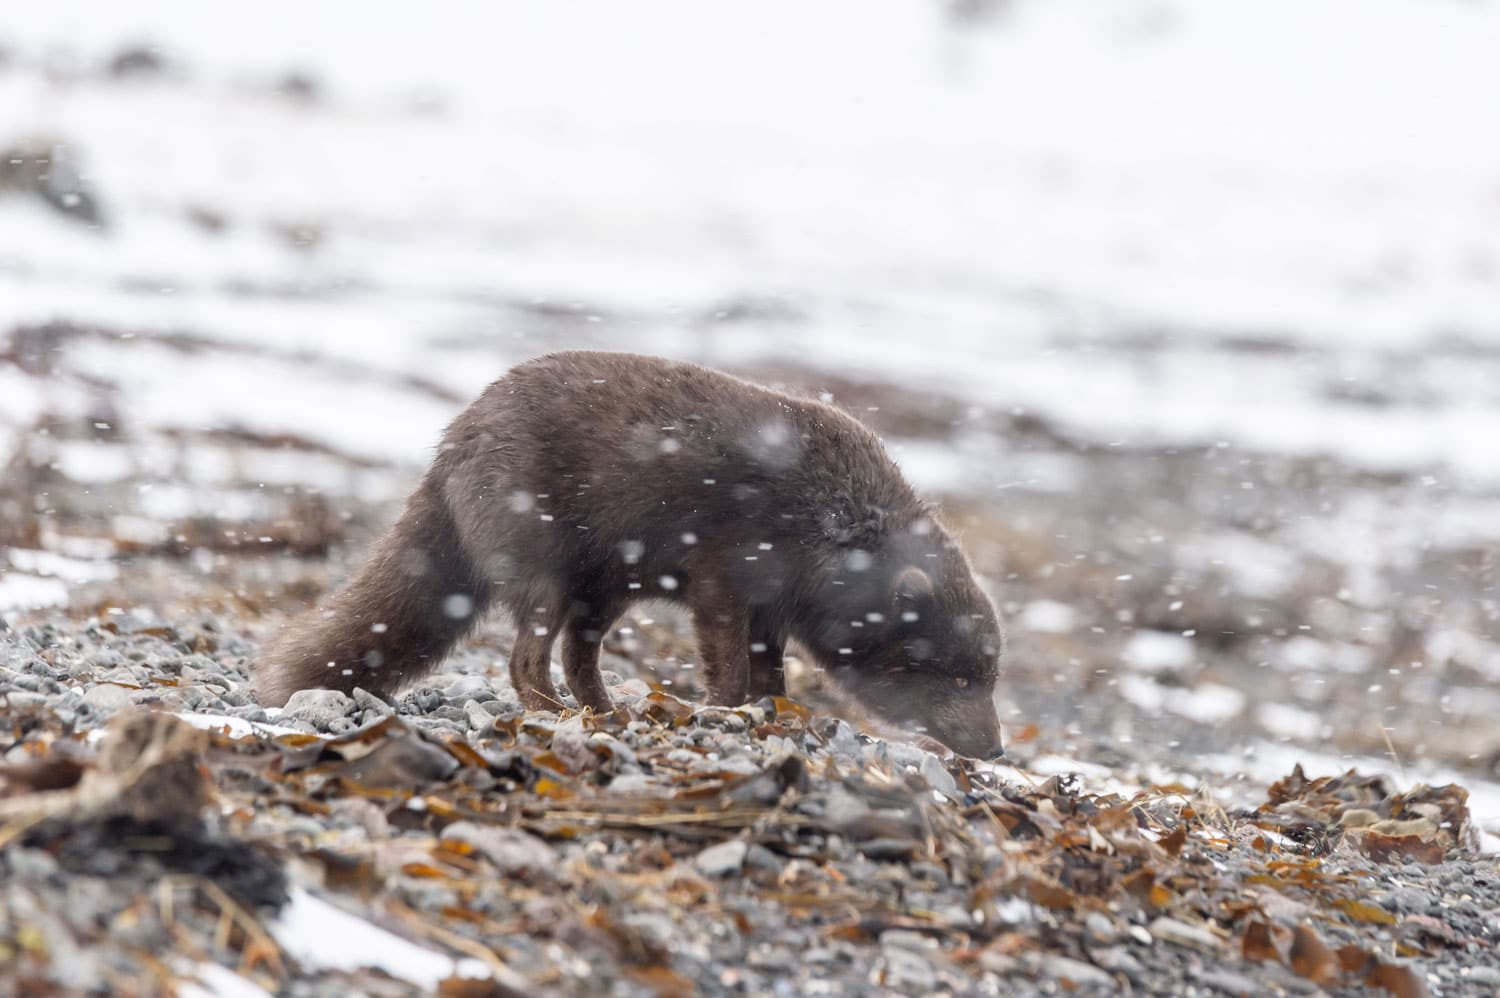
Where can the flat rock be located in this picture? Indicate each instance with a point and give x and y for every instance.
(1074, 973)
(105, 698)
(320, 708)
(1182, 934)
(722, 859)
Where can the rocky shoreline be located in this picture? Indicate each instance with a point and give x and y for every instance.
(158, 823)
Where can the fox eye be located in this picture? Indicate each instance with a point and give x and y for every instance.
(961, 681)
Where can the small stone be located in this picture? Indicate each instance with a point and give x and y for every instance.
(371, 704)
(103, 699)
(908, 973)
(622, 755)
(999, 963)
(342, 726)
(899, 755)
(320, 708)
(844, 745)
(629, 692)
(1231, 983)
(481, 721)
(1409, 899)
(1182, 934)
(1487, 976)
(1117, 960)
(918, 942)
(1101, 927)
(887, 848)
(34, 865)
(758, 857)
(937, 775)
(510, 849)
(463, 688)
(628, 784)
(722, 859)
(1074, 973)
(570, 743)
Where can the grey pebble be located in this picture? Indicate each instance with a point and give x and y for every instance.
(1193, 936)
(1076, 972)
(480, 721)
(1231, 983)
(1487, 976)
(371, 704)
(907, 972)
(722, 859)
(26, 699)
(104, 699)
(320, 708)
(937, 775)
(510, 849)
(760, 858)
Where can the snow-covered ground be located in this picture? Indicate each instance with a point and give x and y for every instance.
(1272, 223)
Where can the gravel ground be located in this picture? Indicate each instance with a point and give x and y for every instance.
(666, 848)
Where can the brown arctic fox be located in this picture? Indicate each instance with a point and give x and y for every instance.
(580, 483)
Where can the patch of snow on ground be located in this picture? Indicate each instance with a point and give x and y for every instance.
(1048, 617)
(211, 980)
(1285, 721)
(1207, 703)
(30, 592)
(58, 566)
(955, 203)
(236, 727)
(320, 935)
(1158, 651)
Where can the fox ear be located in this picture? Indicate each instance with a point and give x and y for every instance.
(913, 586)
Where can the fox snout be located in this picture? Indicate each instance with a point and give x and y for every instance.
(978, 740)
(963, 718)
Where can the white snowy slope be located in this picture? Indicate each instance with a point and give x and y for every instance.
(1010, 209)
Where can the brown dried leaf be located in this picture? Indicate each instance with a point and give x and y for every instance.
(785, 706)
(1048, 894)
(666, 982)
(1354, 959)
(665, 708)
(1398, 848)
(1399, 979)
(53, 772)
(1264, 942)
(1361, 911)
(465, 754)
(549, 760)
(1027, 733)
(552, 789)
(1311, 958)
(1174, 841)
(422, 870)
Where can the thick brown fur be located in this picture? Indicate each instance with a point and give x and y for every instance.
(580, 483)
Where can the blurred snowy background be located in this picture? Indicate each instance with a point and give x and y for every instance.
(1189, 309)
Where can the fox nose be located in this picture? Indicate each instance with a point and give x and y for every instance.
(998, 752)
